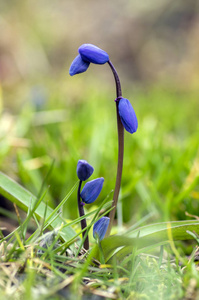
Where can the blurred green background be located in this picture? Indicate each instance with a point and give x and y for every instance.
(50, 120)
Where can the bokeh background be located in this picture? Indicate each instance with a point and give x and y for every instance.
(149, 41)
(49, 120)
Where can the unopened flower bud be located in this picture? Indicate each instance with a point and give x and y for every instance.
(100, 228)
(127, 115)
(91, 190)
(84, 170)
(93, 54)
(78, 66)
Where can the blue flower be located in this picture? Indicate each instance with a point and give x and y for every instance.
(91, 190)
(84, 170)
(78, 66)
(127, 115)
(100, 228)
(93, 54)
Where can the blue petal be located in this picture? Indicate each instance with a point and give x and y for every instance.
(84, 170)
(127, 115)
(100, 227)
(78, 66)
(93, 54)
(91, 190)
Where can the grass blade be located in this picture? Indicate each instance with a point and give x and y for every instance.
(22, 198)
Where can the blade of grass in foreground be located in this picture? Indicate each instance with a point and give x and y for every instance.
(14, 192)
(149, 236)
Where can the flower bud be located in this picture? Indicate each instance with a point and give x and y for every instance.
(93, 54)
(100, 228)
(84, 170)
(127, 115)
(78, 66)
(91, 190)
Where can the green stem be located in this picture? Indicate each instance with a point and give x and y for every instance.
(81, 213)
(120, 130)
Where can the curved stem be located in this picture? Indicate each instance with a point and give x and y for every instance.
(81, 213)
(117, 80)
(120, 130)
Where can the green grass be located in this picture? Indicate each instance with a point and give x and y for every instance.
(40, 147)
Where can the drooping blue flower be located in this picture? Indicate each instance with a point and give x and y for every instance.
(93, 54)
(127, 115)
(78, 66)
(100, 228)
(91, 190)
(84, 170)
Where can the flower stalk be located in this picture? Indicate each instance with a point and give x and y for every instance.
(120, 131)
(117, 80)
(81, 214)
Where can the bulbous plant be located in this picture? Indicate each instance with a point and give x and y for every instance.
(89, 193)
(126, 117)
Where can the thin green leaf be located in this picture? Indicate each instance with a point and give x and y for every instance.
(19, 195)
